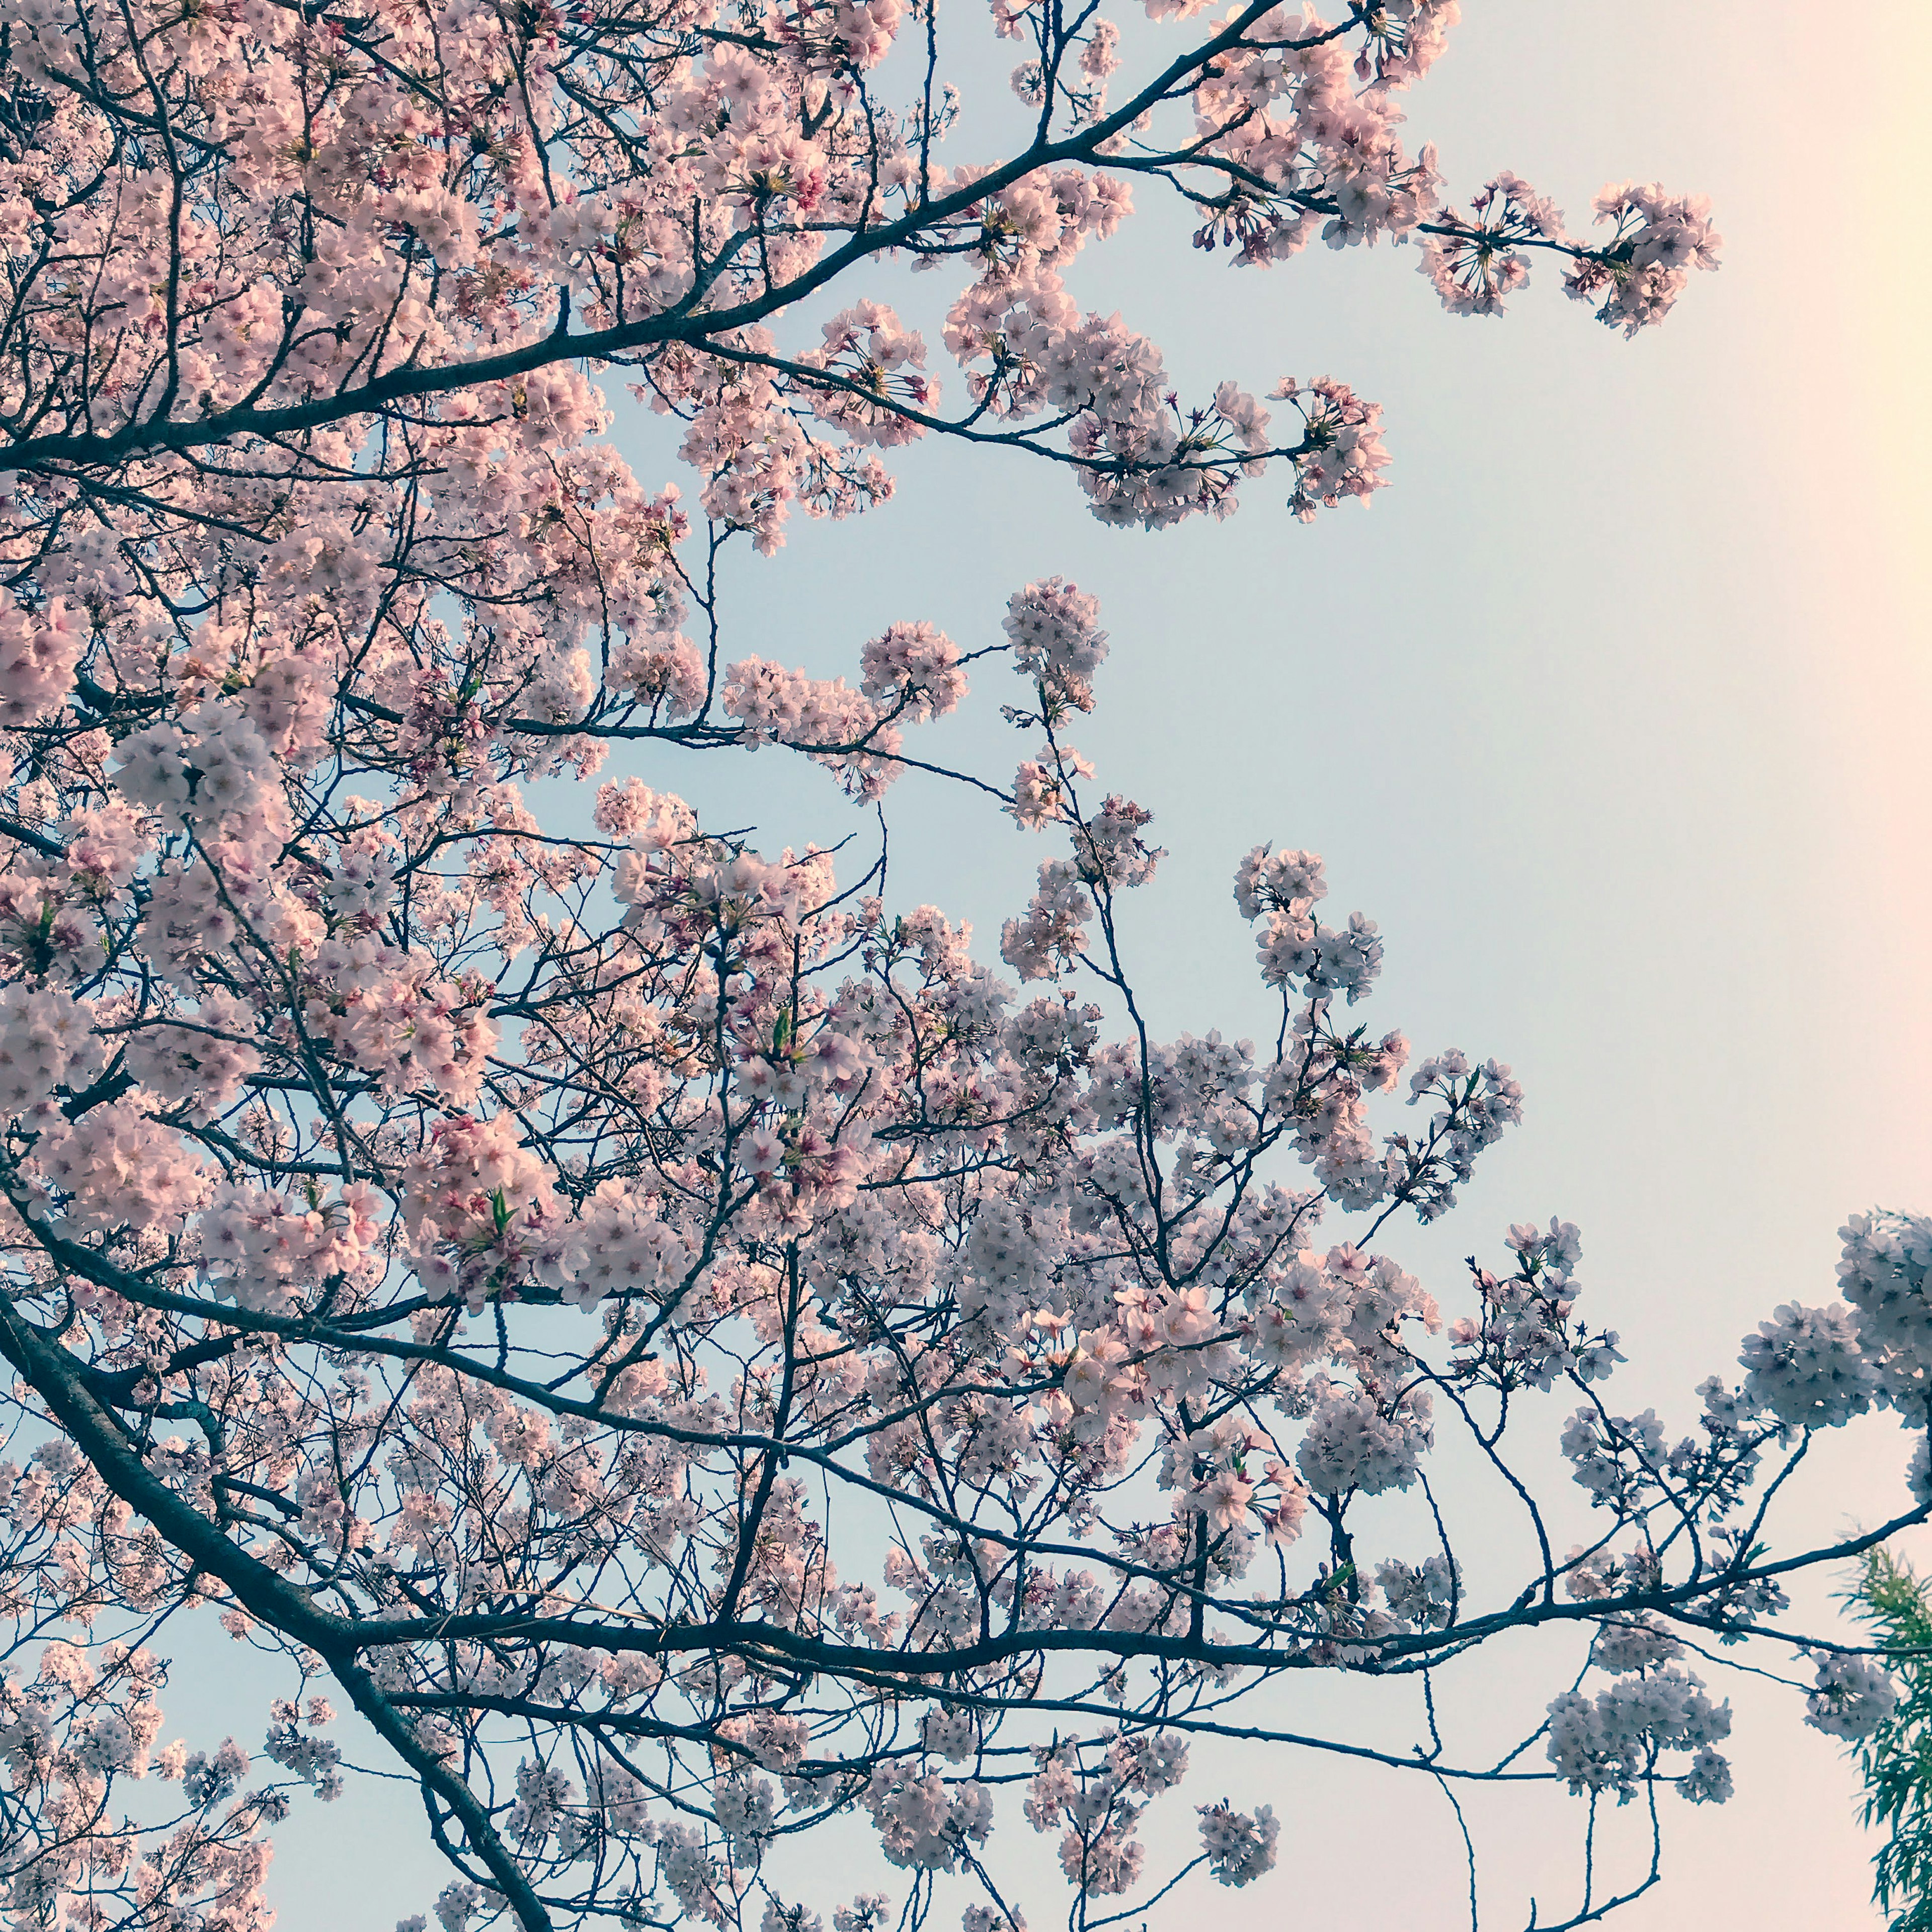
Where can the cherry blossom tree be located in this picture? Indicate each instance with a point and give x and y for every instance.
(687, 1352)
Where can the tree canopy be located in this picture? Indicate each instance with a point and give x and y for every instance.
(682, 1348)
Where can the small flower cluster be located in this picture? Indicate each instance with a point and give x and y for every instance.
(1603, 1743)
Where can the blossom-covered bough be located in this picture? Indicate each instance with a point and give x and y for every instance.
(684, 1350)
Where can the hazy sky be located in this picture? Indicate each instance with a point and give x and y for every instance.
(1614, 711)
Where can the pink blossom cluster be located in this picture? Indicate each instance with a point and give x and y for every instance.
(1601, 1743)
(1057, 640)
(1526, 1333)
(1854, 1695)
(46, 1042)
(38, 653)
(268, 1249)
(1658, 238)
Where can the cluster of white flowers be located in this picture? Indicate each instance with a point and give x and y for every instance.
(116, 1166)
(315, 1760)
(1635, 1643)
(264, 1249)
(360, 888)
(688, 1868)
(1525, 1335)
(1885, 1272)
(620, 1243)
(1326, 959)
(1056, 639)
(198, 1061)
(1355, 1442)
(1266, 881)
(1708, 1780)
(1613, 1456)
(912, 671)
(1853, 1697)
(210, 1780)
(953, 1734)
(1239, 1848)
(1053, 931)
(1421, 1595)
(458, 1903)
(883, 362)
(780, 1917)
(747, 1811)
(46, 1042)
(1478, 1103)
(1603, 1743)
(1805, 1367)
(1667, 236)
(103, 1743)
(394, 1017)
(922, 1823)
(213, 765)
(38, 651)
